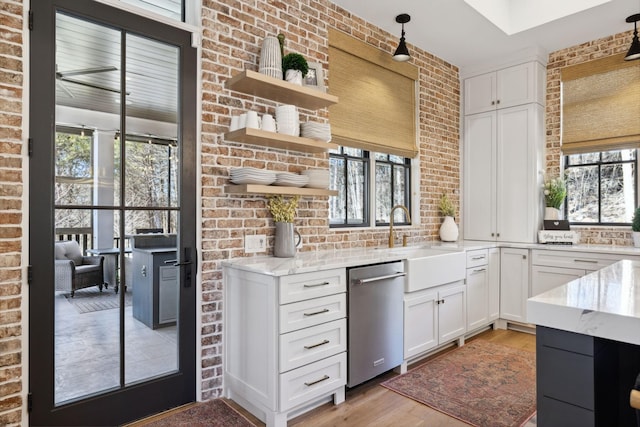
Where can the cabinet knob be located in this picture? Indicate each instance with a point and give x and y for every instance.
(524, 257)
(493, 102)
(492, 234)
(498, 101)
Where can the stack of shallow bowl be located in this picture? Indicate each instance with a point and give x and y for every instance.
(287, 119)
(288, 179)
(317, 131)
(250, 175)
(318, 178)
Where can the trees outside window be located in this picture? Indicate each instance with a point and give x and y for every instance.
(350, 171)
(601, 187)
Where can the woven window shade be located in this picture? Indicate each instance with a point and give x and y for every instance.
(601, 106)
(377, 108)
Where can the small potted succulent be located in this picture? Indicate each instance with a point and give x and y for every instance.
(635, 227)
(295, 67)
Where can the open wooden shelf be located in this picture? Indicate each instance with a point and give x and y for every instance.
(276, 189)
(253, 83)
(278, 140)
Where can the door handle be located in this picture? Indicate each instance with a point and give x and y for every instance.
(186, 263)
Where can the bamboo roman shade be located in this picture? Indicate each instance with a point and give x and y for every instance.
(601, 105)
(377, 108)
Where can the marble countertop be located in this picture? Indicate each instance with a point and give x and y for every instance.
(605, 304)
(309, 261)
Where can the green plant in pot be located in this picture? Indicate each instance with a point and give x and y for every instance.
(295, 67)
(635, 227)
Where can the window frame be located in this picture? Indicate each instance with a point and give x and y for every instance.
(599, 164)
(370, 161)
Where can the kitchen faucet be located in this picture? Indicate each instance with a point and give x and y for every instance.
(404, 242)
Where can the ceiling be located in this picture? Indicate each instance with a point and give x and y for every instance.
(456, 32)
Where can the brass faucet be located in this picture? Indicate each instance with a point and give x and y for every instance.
(406, 211)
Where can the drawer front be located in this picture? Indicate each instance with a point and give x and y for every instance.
(581, 260)
(309, 345)
(477, 258)
(312, 312)
(565, 376)
(300, 287)
(311, 381)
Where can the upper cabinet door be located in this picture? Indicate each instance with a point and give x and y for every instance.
(480, 93)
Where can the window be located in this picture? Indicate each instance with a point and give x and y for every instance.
(601, 187)
(350, 171)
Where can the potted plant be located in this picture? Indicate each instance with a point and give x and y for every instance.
(448, 229)
(283, 212)
(555, 192)
(635, 227)
(295, 67)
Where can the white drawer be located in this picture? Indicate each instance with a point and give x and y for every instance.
(477, 258)
(309, 345)
(299, 287)
(311, 381)
(589, 261)
(312, 312)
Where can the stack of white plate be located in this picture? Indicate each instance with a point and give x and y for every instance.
(318, 178)
(250, 175)
(317, 131)
(287, 119)
(288, 179)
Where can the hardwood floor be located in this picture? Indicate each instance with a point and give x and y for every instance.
(370, 404)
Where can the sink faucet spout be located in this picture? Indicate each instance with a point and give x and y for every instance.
(391, 238)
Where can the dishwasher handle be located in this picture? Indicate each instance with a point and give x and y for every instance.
(378, 278)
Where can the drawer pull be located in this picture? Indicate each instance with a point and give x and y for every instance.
(479, 270)
(326, 310)
(326, 377)
(317, 284)
(590, 261)
(309, 347)
(476, 258)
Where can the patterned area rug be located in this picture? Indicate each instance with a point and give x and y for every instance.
(88, 300)
(480, 383)
(214, 413)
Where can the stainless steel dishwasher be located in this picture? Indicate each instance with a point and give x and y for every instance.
(375, 320)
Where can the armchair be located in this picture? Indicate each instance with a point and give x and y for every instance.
(74, 271)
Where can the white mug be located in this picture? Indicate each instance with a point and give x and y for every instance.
(268, 123)
(253, 121)
(242, 122)
(235, 123)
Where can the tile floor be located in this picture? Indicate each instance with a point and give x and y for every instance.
(87, 357)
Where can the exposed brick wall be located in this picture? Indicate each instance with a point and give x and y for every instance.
(11, 192)
(600, 48)
(233, 34)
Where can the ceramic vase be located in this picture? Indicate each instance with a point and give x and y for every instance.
(271, 58)
(285, 245)
(448, 230)
(551, 213)
(293, 76)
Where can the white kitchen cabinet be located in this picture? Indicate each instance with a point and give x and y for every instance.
(552, 268)
(504, 88)
(502, 174)
(514, 284)
(432, 317)
(477, 289)
(285, 341)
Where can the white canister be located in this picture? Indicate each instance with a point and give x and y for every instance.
(242, 121)
(235, 123)
(268, 123)
(253, 121)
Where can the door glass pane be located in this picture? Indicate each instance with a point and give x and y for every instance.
(383, 192)
(151, 153)
(87, 308)
(169, 8)
(116, 210)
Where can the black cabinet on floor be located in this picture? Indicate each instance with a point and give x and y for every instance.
(155, 286)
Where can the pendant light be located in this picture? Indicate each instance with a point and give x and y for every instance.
(402, 53)
(634, 50)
